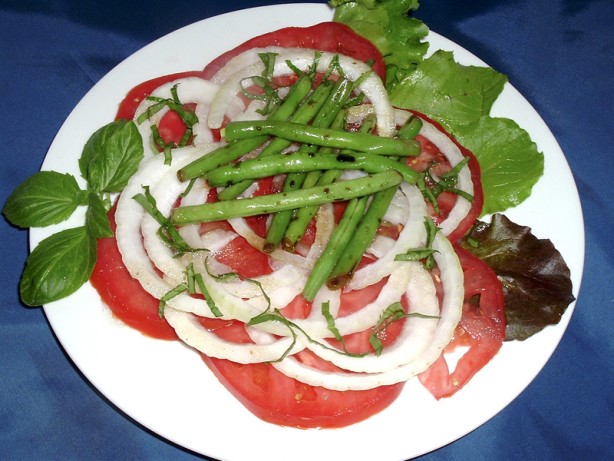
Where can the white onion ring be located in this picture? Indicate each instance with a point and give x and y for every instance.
(189, 90)
(450, 313)
(232, 75)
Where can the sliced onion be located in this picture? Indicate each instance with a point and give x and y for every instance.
(191, 332)
(453, 154)
(189, 90)
(233, 75)
(450, 313)
(129, 216)
(413, 235)
(416, 334)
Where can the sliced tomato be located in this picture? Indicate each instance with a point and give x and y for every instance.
(278, 399)
(172, 128)
(273, 397)
(124, 295)
(333, 37)
(481, 329)
(430, 153)
(136, 95)
(258, 223)
(244, 259)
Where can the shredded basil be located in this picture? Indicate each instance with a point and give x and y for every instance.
(393, 313)
(425, 253)
(330, 321)
(168, 296)
(167, 232)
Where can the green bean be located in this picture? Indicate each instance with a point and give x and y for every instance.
(265, 204)
(297, 162)
(410, 128)
(302, 216)
(218, 157)
(329, 114)
(366, 230)
(361, 239)
(335, 247)
(234, 150)
(360, 142)
(303, 114)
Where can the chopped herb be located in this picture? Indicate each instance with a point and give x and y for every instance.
(170, 295)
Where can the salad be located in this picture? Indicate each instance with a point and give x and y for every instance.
(182, 257)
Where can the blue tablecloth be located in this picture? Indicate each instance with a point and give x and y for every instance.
(558, 53)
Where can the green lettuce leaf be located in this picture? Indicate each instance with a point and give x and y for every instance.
(451, 93)
(387, 24)
(509, 160)
(461, 98)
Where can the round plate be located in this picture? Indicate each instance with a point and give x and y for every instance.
(166, 387)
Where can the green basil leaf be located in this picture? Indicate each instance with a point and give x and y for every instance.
(96, 218)
(58, 266)
(45, 198)
(111, 156)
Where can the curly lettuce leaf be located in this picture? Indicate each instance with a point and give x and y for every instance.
(387, 24)
(536, 281)
(461, 98)
(449, 92)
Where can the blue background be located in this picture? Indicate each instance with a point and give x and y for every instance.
(558, 53)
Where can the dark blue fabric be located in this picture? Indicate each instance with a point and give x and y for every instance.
(558, 53)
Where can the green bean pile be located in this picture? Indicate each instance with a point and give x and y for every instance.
(306, 141)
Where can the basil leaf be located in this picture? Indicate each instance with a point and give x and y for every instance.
(45, 198)
(96, 218)
(58, 266)
(330, 321)
(111, 156)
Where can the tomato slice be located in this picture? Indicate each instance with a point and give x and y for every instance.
(273, 397)
(481, 329)
(244, 259)
(446, 200)
(136, 95)
(124, 295)
(327, 36)
(278, 399)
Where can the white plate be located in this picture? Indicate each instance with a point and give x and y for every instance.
(168, 389)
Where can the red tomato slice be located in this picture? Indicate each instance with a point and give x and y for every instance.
(136, 95)
(244, 259)
(327, 36)
(446, 199)
(172, 128)
(273, 397)
(482, 329)
(124, 295)
(278, 399)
